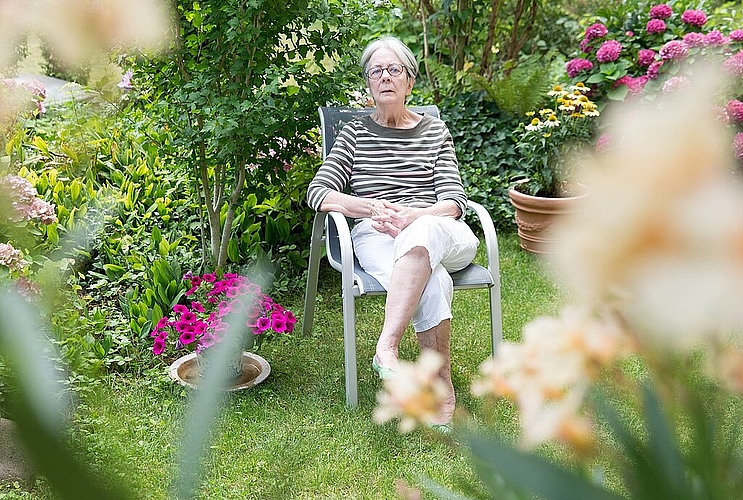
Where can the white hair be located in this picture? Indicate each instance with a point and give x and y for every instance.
(395, 45)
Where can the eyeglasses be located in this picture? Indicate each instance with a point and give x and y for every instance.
(393, 70)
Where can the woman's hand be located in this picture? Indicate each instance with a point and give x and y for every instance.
(393, 218)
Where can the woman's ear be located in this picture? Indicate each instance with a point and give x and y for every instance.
(411, 82)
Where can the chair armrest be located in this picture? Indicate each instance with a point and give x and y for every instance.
(339, 247)
(491, 239)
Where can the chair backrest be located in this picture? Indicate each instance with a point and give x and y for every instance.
(332, 121)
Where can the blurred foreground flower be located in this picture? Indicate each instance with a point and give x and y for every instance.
(81, 30)
(661, 236)
(550, 372)
(415, 394)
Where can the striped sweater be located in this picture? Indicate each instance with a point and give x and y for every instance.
(417, 166)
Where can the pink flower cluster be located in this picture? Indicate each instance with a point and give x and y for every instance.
(655, 26)
(202, 324)
(575, 66)
(33, 87)
(694, 17)
(636, 54)
(609, 51)
(661, 11)
(673, 50)
(10, 257)
(25, 202)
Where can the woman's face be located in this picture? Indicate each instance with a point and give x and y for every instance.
(388, 89)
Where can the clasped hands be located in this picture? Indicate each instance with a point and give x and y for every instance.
(391, 218)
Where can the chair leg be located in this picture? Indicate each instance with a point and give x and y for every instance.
(349, 347)
(496, 317)
(316, 245)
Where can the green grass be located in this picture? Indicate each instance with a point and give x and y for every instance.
(292, 436)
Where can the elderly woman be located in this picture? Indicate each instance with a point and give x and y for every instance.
(407, 197)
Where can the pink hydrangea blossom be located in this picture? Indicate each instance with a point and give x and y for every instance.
(674, 50)
(736, 35)
(738, 146)
(23, 198)
(645, 57)
(733, 65)
(693, 39)
(10, 257)
(585, 46)
(575, 66)
(675, 83)
(734, 109)
(694, 17)
(609, 51)
(655, 26)
(29, 290)
(714, 38)
(661, 11)
(634, 84)
(596, 30)
(654, 70)
(604, 142)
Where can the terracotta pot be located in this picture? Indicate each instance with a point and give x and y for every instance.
(536, 218)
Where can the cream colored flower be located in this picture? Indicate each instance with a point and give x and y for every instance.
(415, 394)
(661, 235)
(548, 374)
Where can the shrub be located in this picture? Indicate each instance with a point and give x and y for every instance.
(486, 151)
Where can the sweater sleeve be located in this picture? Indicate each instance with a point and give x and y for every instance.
(335, 172)
(447, 180)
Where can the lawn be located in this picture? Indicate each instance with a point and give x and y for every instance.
(293, 436)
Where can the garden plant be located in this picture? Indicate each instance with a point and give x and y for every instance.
(195, 162)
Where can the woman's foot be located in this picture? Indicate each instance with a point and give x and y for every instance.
(383, 372)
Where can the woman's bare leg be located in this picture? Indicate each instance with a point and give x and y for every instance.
(437, 339)
(409, 277)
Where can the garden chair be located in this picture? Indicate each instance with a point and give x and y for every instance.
(332, 231)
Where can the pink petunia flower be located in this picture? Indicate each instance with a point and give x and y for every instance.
(655, 26)
(694, 17)
(661, 11)
(158, 346)
(609, 51)
(126, 81)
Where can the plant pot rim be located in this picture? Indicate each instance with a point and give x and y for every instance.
(255, 370)
(584, 191)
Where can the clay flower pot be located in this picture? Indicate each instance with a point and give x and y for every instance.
(536, 218)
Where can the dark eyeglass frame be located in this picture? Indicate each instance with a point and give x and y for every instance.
(392, 70)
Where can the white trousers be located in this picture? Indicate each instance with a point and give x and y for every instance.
(451, 246)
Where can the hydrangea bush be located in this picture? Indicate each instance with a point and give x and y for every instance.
(640, 54)
(20, 208)
(203, 322)
(651, 54)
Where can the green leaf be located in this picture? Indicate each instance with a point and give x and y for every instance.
(497, 461)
